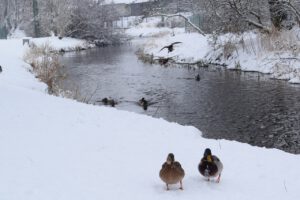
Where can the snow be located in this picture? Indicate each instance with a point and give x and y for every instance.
(17, 33)
(183, 51)
(56, 148)
(253, 52)
(295, 80)
(192, 48)
(68, 44)
(250, 51)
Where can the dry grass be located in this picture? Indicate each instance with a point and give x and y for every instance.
(260, 43)
(45, 65)
(228, 49)
(146, 58)
(281, 41)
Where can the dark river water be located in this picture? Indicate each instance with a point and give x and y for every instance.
(246, 107)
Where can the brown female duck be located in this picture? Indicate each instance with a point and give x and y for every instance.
(171, 172)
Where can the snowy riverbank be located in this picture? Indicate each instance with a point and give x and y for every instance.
(277, 54)
(56, 148)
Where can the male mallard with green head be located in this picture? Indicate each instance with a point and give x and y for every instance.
(171, 172)
(210, 166)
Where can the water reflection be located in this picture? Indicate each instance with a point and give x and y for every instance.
(247, 107)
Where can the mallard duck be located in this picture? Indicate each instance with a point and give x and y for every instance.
(144, 103)
(210, 166)
(170, 47)
(0, 69)
(105, 101)
(171, 172)
(164, 61)
(110, 102)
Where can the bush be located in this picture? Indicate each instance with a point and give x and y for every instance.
(45, 65)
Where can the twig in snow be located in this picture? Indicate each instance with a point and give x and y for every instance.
(285, 186)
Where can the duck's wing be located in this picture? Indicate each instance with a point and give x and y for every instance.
(175, 43)
(165, 47)
(177, 166)
(164, 165)
(215, 158)
(218, 163)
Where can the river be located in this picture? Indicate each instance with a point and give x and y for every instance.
(233, 105)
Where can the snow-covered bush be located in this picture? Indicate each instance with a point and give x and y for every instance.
(45, 65)
(284, 40)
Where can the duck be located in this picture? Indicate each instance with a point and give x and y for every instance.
(110, 102)
(197, 77)
(164, 61)
(170, 47)
(62, 51)
(210, 166)
(144, 103)
(0, 68)
(172, 172)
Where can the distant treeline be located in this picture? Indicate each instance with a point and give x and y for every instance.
(89, 19)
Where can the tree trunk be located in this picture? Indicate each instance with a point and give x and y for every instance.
(36, 24)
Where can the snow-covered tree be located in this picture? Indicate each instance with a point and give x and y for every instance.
(76, 18)
(235, 15)
(285, 13)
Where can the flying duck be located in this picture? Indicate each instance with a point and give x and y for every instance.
(170, 47)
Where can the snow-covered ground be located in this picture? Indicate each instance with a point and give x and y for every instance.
(68, 44)
(53, 148)
(193, 46)
(277, 55)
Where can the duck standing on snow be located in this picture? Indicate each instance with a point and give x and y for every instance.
(171, 172)
(210, 166)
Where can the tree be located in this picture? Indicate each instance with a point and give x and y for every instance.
(235, 15)
(75, 18)
(285, 13)
(55, 16)
(36, 24)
